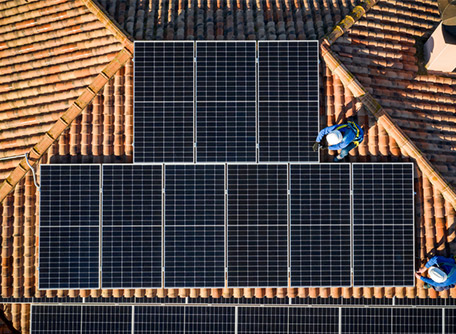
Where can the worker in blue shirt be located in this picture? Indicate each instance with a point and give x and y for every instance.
(344, 137)
(442, 273)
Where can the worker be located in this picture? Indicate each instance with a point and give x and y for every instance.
(442, 273)
(344, 137)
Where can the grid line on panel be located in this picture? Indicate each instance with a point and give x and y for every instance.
(159, 319)
(194, 226)
(131, 231)
(225, 101)
(201, 320)
(288, 100)
(320, 225)
(163, 102)
(257, 225)
(383, 229)
(69, 226)
(53, 319)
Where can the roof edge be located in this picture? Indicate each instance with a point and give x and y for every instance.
(64, 122)
(383, 118)
(109, 24)
(349, 20)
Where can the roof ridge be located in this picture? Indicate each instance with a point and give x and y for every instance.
(371, 104)
(64, 121)
(109, 24)
(349, 20)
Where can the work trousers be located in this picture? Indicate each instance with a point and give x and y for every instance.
(344, 152)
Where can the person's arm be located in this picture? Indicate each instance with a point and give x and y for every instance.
(325, 131)
(432, 282)
(439, 259)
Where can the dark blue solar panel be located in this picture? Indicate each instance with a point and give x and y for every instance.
(107, 319)
(366, 320)
(209, 320)
(131, 232)
(313, 321)
(320, 225)
(69, 227)
(163, 105)
(225, 95)
(416, 320)
(383, 225)
(194, 226)
(55, 319)
(159, 319)
(257, 225)
(288, 100)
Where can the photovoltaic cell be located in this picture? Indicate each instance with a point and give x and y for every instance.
(209, 320)
(225, 95)
(194, 226)
(313, 321)
(450, 323)
(69, 227)
(55, 319)
(366, 320)
(163, 105)
(383, 224)
(257, 225)
(320, 225)
(159, 319)
(131, 231)
(415, 320)
(288, 100)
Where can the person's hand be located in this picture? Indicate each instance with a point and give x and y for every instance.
(421, 270)
(417, 275)
(316, 146)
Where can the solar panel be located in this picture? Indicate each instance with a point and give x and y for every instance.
(288, 100)
(201, 320)
(416, 320)
(383, 230)
(320, 225)
(107, 319)
(257, 225)
(366, 320)
(69, 227)
(132, 226)
(256, 320)
(55, 319)
(163, 102)
(226, 101)
(450, 324)
(159, 319)
(195, 226)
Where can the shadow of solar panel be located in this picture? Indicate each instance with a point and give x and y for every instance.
(194, 226)
(257, 225)
(163, 102)
(159, 319)
(55, 319)
(226, 101)
(131, 231)
(320, 225)
(417, 320)
(69, 227)
(288, 100)
(383, 229)
(366, 320)
(107, 319)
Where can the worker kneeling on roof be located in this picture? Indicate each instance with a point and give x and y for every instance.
(344, 137)
(442, 273)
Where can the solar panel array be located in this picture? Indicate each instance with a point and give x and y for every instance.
(257, 225)
(320, 225)
(240, 225)
(198, 101)
(383, 225)
(238, 319)
(131, 226)
(195, 226)
(69, 227)
(287, 101)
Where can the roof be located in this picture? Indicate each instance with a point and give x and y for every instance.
(379, 50)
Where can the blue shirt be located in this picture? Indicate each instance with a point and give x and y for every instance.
(347, 132)
(447, 265)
